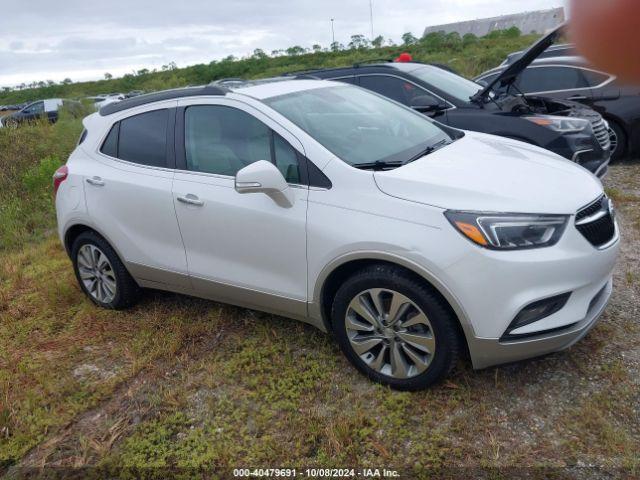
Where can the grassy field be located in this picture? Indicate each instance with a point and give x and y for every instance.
(179, 382)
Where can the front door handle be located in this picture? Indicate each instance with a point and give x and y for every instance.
(577, 98)
(95, 181)
(191, 199)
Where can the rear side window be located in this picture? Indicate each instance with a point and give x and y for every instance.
(595, 78)
(143, 138)
(546, 79)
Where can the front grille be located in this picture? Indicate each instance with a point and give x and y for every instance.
(591, 209)
(596, 223)
(601, 132)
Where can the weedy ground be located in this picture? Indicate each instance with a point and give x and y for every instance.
(182, 382)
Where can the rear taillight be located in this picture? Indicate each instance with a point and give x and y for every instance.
(60, 176)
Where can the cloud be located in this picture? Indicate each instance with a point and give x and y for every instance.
(41, 39)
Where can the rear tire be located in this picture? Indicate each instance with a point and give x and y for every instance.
(394, 328)
(101, 274)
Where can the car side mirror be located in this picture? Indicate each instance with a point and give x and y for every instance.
(427, 104)
(264, 177)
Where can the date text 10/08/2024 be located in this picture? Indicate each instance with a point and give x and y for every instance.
(316, 473)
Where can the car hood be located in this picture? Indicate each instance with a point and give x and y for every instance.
(510, 73)
(482, 172)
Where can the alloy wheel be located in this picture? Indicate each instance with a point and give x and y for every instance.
(613, 137)
(390, 333)
(96, 273)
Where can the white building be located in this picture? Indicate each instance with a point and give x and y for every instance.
(528, 22)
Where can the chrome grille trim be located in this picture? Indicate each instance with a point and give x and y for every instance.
(601, 132)
(596, 222)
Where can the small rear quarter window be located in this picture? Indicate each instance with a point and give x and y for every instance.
(110, 144)
(83, 135)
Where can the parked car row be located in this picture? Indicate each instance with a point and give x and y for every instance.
(569, 129)
(562, 75)
(410, 241)
(47, 108)
(5, 108)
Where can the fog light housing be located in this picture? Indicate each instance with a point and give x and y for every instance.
(535, 311)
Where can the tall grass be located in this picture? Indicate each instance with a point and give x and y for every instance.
(29, 155)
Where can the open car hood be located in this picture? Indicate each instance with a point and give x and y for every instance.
(509, 75)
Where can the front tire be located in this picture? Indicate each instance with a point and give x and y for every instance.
(619, 141)
(101, 274)
(394, 329)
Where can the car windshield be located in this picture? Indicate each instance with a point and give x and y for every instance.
(450, 83)
(358, 126)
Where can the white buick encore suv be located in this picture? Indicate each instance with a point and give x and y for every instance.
(411, 242)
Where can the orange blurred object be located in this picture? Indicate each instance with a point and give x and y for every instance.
(607, 33)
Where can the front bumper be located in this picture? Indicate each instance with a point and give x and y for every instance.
(488, 352)
(596, 162)
(492, 287)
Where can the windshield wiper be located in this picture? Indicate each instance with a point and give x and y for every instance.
(382, 165)
(430, 149)
(378, 165)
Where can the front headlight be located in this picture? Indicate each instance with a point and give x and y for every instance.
(509, 231)
(560, 124)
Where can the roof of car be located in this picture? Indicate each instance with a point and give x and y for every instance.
(573, 61)
(402, 66)
(259, 89)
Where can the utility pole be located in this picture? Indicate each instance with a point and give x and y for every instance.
(333, 34)
(371, 16)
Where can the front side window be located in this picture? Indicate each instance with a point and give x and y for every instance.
(222, 140)
(286, 159)
(143, 138)
(35, 108)
(358, 126)
(546, 79)
(392, 87)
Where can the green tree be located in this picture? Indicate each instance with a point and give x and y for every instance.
(259, 54)
(295, 50)
(108, 76)
(358, 42)
(409, 39)
(513, 32)
(469, 39)
(377, 42)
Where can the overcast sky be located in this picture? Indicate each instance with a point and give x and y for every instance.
(81, 40)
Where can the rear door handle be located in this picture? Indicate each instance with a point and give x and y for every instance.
(577, 97)
(191, 199)
(95, 181)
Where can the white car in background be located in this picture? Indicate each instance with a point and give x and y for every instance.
(410, 241)
(100, 101)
